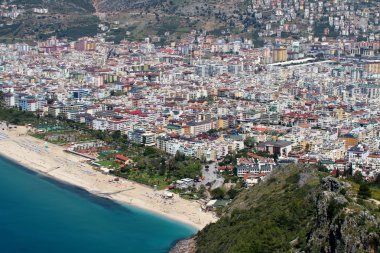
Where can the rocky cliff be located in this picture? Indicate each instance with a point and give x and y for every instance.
(341, 224)
(298, 209)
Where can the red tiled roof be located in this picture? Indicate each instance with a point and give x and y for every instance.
(122, 158)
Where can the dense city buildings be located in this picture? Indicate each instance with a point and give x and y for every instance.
(301, 101)
(252, 125)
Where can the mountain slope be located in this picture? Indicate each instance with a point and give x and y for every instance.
(122, 5)
(294, 211)
(176, 17)
(65, 18)
(261, 21)
(58, 6)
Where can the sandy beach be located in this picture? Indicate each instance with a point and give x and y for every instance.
(56, 163)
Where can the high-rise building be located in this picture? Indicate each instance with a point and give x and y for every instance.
(279, 55)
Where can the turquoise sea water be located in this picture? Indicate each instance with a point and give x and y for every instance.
(38, 215)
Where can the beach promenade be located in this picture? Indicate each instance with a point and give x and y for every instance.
(53, 161)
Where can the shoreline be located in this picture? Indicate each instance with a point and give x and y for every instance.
(56, 164)
(70, 186)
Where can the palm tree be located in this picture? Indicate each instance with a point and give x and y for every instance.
(2, 102)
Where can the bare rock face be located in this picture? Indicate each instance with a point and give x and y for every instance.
(185, 246)
(337, 226)
(326, 216)
(331, 184)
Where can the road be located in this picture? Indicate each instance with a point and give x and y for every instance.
(211, 176)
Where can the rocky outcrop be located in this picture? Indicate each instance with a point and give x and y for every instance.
(340, 226)
(294, 211)
(185, 246)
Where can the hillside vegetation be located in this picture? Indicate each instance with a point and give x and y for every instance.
(122, 5)
(65, 19)
(176, 18)
(59, 6)
(298, 209)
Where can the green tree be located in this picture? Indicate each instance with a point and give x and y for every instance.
(357, 177)
(162, 167)
(125, 169)
(364, 191)
(377, 181)
(2, 102)
(150, 151)
(179, 157)
(232, 193)
(212, 131)
(203, 159)
(250, 142)
(217, 193)
(348, 172)
(116, 135)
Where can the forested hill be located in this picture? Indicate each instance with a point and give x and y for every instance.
(299, 209)
(64, 18)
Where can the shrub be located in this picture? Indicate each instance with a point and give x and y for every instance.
(364, 191)
(217, 193)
